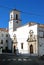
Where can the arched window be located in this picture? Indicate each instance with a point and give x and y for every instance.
(21, 45)
(16, 16)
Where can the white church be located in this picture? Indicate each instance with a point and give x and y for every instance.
(27, 39)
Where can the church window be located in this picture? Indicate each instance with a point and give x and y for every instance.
(21, 45)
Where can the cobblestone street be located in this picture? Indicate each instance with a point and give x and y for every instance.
(7, 59)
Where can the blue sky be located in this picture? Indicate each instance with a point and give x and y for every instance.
(34, 9)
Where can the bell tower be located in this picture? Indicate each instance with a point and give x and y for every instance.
(15, 20)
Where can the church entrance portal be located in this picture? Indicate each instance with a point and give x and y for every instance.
(31, 49)
(14, 49)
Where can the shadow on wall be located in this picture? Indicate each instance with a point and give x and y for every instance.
(6, 50)
(10, 43)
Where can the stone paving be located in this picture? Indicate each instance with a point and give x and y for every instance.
(7, 59)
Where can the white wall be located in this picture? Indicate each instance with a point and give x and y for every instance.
(10, 26)
(22, 34)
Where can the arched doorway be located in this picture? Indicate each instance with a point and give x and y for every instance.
(14, 49)
(31, 49)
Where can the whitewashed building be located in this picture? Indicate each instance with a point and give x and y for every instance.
(3, 39)
(26, 39)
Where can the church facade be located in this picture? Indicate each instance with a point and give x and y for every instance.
(26, 39)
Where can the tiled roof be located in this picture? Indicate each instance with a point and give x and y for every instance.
(33, 23)
(4, 29)
(15, 10)
(41, 25)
